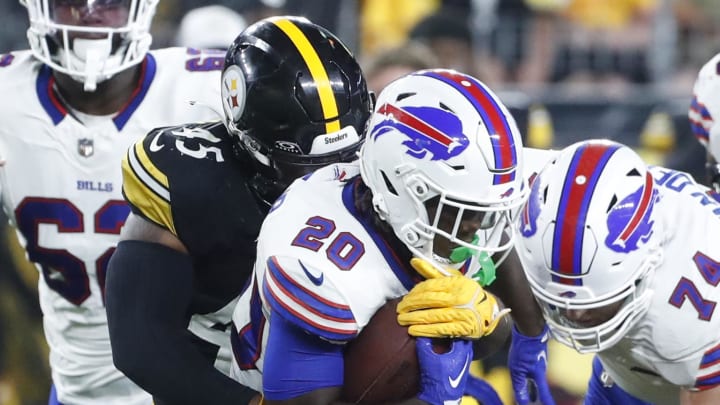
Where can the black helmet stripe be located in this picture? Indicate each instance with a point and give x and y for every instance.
(317, 71)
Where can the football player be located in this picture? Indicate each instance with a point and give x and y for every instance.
(438, 181)
(71, 106)
(624, 261)
(295, 100)
(703, 112)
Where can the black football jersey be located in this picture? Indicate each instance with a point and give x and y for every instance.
(188, 180)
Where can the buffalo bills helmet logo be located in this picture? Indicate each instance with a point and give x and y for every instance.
(531, 210)
(430, 130)
(629, 221)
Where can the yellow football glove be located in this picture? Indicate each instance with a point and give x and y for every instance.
(451, 306)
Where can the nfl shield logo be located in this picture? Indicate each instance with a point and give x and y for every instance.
(85, 147)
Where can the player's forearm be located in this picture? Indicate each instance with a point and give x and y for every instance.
(512, 287)
(175, 374)
(148, 289)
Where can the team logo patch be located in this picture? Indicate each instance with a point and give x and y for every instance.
(233, 91)
(430, 130)
(340, 174)
(629, 221)
(86, 147)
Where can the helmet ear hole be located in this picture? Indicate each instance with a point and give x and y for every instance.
(419, 188)
(411, 237)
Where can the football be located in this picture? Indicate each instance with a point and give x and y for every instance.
(381, 364)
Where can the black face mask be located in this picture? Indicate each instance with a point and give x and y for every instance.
(270, 182)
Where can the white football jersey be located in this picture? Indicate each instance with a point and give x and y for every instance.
(677, 343)
(323, 264)
(61, 188)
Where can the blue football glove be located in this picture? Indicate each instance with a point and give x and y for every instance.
(483, 392)
(527, 362)
(443, 376)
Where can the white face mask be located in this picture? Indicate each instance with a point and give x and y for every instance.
(90, 56)
(60, 38)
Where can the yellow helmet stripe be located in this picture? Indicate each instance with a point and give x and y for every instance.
(146, 187)
(317, 71)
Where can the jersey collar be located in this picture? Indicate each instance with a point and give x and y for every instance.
(53, 106)
(400, 269)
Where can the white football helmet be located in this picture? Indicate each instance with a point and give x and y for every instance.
(443, 159)
(590, 237)
(704, 115)
(89, 53)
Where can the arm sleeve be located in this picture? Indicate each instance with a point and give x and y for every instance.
(306, 297)
(297, 362)
(148, 290)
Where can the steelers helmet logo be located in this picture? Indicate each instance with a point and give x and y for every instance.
(233, 92)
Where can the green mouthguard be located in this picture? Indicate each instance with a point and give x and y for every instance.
(486, 275)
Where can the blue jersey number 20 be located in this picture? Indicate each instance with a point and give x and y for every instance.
(344, 250)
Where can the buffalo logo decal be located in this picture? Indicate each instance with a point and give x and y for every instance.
(430, 130)
(629, 221)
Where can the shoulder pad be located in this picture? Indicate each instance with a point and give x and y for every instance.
(303, 295)
(164, 154)
(145, 187)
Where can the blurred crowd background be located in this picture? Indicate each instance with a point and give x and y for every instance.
(568, 70)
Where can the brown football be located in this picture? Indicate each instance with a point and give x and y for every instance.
(381, 364)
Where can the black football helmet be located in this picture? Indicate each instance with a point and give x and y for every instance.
(294, 98)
